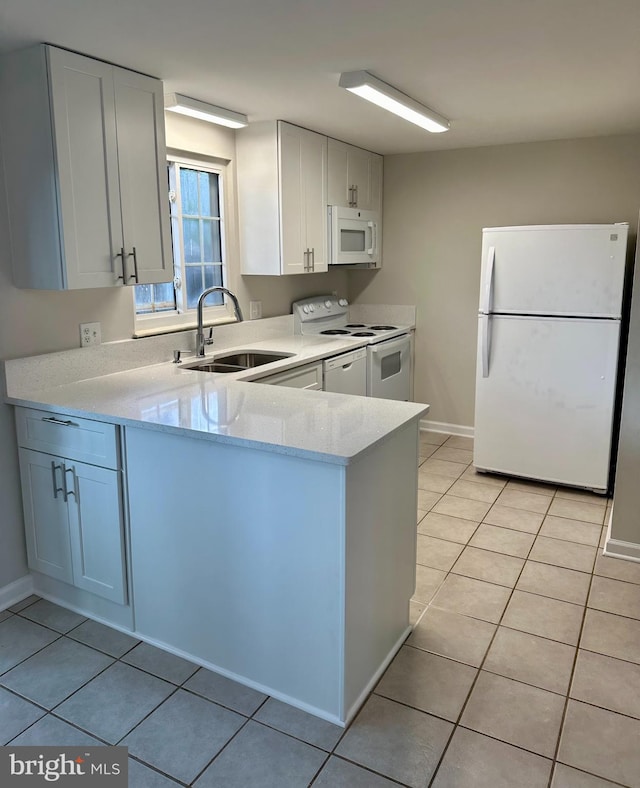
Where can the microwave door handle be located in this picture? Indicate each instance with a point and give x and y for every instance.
(372, 249)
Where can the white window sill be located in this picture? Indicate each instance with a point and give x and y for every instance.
(152, 331)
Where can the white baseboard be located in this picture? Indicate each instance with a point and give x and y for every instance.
(15, 592)
(616, 548)
(242, 680)
(355, 707)
(449, 429)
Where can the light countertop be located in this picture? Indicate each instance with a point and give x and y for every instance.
(226, 408)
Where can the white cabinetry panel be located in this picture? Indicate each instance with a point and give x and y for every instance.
(73, 510)
(354, 177)
(45, 514)
(93, 134)
(282, 199)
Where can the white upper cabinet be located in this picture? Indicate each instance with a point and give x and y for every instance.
(85, 165)
(354, 177)
(282, 199)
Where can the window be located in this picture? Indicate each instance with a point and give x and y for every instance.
(197, 235)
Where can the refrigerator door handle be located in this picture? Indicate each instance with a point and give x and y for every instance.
(484, 344)
(485, 306)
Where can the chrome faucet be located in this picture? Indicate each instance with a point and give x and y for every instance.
(203, 295)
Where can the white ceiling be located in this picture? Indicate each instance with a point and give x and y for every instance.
(500, 70)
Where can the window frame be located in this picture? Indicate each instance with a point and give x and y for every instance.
(183, 318)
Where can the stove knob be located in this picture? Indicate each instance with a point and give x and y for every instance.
(343, 302)
(327, 303)
(312, 308)
(305, 309)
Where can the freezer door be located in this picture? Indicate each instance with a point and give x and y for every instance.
(572, 270)
(544, 398)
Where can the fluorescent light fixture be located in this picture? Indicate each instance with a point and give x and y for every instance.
(203, 111)
(365, 85)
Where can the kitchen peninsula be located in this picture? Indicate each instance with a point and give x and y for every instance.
(268, 533)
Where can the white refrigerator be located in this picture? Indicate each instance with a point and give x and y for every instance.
(548, 340)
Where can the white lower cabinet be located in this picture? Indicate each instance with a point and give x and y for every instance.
(73, 510)
(73, 523)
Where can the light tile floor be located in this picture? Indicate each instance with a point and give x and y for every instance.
(523, 669)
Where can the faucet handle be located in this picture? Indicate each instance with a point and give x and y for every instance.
(209, 339)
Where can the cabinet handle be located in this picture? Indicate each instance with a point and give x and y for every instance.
(134, 275)
(61, 422)
(307, 260)
(122, 255)
(355, 196)
(67, 492)
(313, 258)
(56, 489)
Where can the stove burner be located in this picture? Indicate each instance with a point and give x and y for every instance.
(363, 334)
(335, 331)
(383, 328)
(355, 325)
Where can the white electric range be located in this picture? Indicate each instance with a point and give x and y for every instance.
(380, 369)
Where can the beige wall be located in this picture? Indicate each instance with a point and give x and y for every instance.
(435, 206)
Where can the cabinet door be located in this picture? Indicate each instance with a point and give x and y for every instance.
(337, 175)
(96, 530)
(359, 176)
(314, 187)
(144, 188)
(46, 516)
(84, 125)
(354, 177)
(375, 196)
(292, 230)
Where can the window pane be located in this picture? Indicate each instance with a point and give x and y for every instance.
(208, 194)
(154, 298)
(189, 191)
(194, 285)
(213, 277)
(211, 241)
(143, 298)
(197, 249)
(191, 233)
(164, 297)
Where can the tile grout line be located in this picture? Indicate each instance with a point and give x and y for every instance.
(577, 647)
(572, 675)
(477, 676)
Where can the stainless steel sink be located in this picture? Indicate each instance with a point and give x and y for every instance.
(213, 366)
(253, 358)
(238, 362)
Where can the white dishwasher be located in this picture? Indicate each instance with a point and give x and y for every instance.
(347, 373)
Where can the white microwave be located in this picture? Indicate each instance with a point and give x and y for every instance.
(354, 236)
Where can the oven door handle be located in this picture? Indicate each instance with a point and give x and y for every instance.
(390, 345)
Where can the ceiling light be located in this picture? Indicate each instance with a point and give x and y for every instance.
(203, 111)
(363, 84)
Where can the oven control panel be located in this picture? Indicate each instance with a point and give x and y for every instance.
(317, 307)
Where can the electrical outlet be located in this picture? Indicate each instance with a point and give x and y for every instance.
(90, 334)
(255, 310)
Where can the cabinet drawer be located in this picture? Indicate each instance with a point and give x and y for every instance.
(84, 440)
(309, 377)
